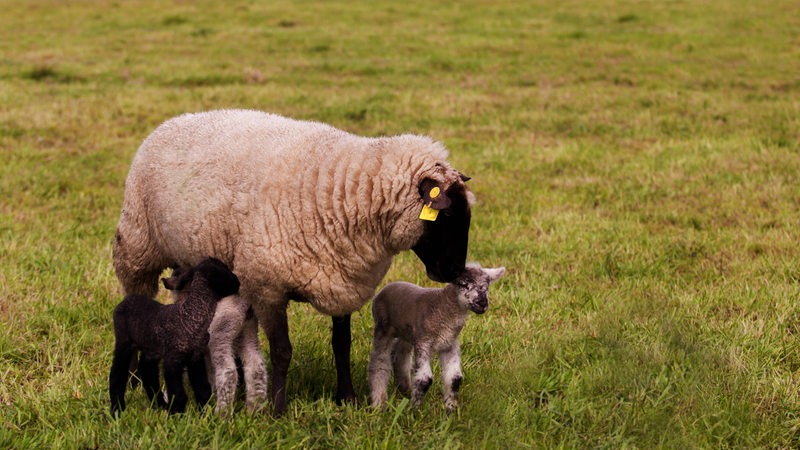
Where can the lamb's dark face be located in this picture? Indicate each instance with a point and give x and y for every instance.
(473, 286)
(220, 279)
(443, 245)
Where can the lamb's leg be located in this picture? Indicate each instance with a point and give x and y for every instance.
(255, 367)
(402, 366)
(379, 367)
(148, 374)
(223, 330)
(176, 394)
(340, 341)
(118, 377)
(136, 264)
(423, 375)
(198, 378)
(210, 372)
(450, 360)
(133, 368)
(273, 320)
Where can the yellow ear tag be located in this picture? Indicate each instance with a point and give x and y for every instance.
(427, 212)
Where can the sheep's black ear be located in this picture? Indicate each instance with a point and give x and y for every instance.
(463, 177)
(433, 195)
(178, 280)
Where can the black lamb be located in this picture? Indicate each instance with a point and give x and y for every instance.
(175, 334)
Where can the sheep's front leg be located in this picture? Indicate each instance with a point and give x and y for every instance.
(273, 320)
(450, 360)
(223, 330)
(255, 367)
(423, 375)
(340, 341)
(379, 367)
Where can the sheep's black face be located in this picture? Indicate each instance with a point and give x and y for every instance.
(443, 244)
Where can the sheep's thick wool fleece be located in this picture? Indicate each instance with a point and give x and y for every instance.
(292, 206)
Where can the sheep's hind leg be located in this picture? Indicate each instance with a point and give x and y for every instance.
(136, 264)
(450, 360)
(379, 367)
(340, 341)
(402, 367)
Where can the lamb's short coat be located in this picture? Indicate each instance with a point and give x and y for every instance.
(409, 318)
(175, 335)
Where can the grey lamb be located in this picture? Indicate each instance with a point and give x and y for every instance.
(176, 335)
(244, 342)
(409, 317)
(243, 339)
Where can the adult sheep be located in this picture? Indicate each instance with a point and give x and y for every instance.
(299, 210)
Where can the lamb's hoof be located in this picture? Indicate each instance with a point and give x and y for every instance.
(223, 411)
(116, 410)
(256, 407)
(380, 403)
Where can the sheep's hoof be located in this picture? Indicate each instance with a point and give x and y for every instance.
(349, 399)
(279, 409)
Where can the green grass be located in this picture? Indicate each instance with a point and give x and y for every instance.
(636, 168)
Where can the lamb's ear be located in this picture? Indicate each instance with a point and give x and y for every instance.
(432, 193)
(178, 280)
(463, 177)
(495, 273)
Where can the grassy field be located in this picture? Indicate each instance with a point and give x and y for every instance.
(636, 166)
